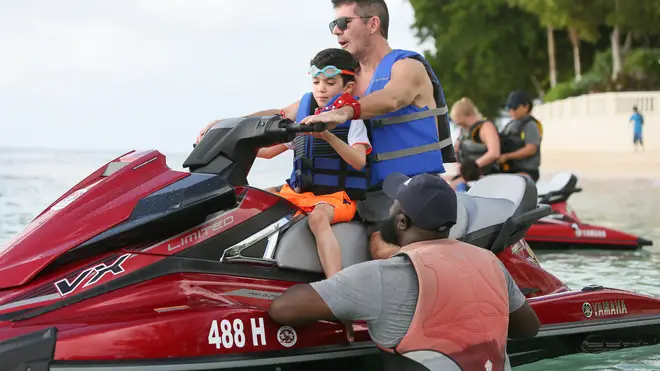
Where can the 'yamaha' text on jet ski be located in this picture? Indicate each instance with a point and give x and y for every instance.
(563, 229)
(139, 267)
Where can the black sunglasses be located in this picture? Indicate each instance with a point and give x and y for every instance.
(342, 23)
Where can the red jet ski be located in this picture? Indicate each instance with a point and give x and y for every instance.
(140, 267)
(563, 229)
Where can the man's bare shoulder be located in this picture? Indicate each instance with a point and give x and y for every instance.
(409, 67)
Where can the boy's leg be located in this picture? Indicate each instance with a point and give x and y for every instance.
(326, 242)
(320, 220)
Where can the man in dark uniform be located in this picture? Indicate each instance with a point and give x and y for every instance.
(521, 138)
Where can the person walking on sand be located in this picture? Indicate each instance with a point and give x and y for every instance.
(638, 122)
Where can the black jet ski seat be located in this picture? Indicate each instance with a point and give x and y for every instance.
(481, 213)
(558, 188)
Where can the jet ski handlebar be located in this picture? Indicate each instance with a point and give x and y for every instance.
(278, 125)
(230, 147)
(288, 127)
(316, 127)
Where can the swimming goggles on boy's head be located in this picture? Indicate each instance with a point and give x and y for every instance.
(328, 71)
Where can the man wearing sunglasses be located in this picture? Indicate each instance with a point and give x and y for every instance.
(402, 100)
(521, 138)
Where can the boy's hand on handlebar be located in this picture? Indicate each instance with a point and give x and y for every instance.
(320, 135)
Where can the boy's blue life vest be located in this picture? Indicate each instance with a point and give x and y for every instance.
(317, 167)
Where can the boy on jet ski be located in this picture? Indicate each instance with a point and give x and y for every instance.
(438, 302)
(329, 167)
(401, 100)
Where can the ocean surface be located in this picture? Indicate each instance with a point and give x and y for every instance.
(30, 180)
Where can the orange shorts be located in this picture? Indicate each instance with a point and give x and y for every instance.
(345, 208)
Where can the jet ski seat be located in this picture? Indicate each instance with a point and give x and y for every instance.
(481, 212)
(491, 201)
(557, 188)
(296, 248)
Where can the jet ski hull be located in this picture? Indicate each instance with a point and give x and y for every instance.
(148, 327)
(563, 229)
(592, 320)
(565, 339)
(140, 267)
(560, 235)
(551, 342)
(35, 351)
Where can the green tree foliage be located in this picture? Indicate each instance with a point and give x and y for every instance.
(641, 17)
(580, 18)
(484, 49)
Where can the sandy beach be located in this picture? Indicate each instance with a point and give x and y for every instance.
(640, 165)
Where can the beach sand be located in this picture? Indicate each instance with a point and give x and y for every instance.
(598, 166)
(640, 165)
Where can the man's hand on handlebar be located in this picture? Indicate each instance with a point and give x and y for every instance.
(331, 118)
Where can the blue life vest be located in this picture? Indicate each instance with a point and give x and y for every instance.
(408, 140)
(317, 167)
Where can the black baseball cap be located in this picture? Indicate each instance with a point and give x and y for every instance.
(517, 98)
(427, 199)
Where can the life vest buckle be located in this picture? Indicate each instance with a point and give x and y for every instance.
(307, 182)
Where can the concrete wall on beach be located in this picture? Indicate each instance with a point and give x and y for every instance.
(599, 122)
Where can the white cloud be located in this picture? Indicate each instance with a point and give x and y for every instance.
(151, 73)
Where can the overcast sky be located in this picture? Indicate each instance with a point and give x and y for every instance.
(140, 74)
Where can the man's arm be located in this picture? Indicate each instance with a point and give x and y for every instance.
(532, 142)
(523, 322)
(354, 293)
(298, 305)
(407, 78)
